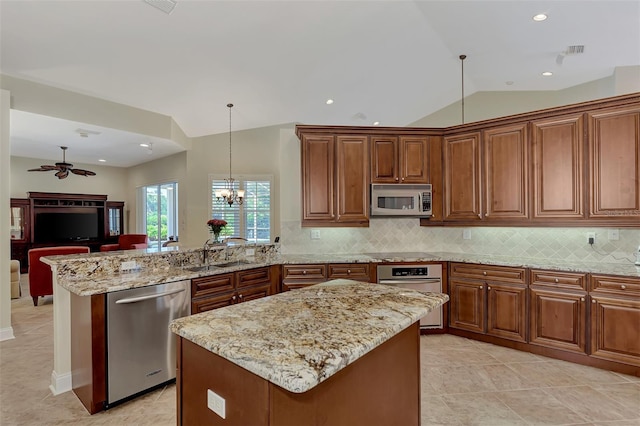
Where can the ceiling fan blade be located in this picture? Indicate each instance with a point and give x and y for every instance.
(39, 170)
(62, 174)
(82, 172)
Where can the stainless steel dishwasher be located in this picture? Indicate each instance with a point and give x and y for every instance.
(141, 351)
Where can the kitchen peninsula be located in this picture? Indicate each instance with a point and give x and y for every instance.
(344, 352)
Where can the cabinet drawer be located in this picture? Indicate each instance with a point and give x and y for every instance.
(485, 272)
(615, 285)
(211, 284)
(253, 277)
(312, 273)
(353, 271)
(210, 303)
(558, 279)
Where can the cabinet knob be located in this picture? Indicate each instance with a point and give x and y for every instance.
(403, 179)
(304, 272)
(481, 287)
(233, 298)
(582, 299)
(488, 287)
(396, 179)
(623, 286)
(484, 273)
(593, 301)
(348, 271)
(486, 214)
(556, 280)
(240, 297)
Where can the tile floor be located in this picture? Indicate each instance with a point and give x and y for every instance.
(464, 382)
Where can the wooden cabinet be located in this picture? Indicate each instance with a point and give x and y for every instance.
(557, 165)
(506, 172)
(304, 275)
(399, 159)
(614, 164)
(615, 319)
(335, 180)
(558, 310)
(462, 199)
(217, 291)
(489, 300)
(114, 219)
(20, 231)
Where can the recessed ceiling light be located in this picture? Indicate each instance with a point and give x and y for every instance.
(547, 73)
(329, 101)
(376, 123)
(102, 160)
(540, 17)
(144, 145)
(509, 83)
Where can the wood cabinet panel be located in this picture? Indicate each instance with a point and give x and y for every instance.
(507, 311)
(558, 319)
(558, 280)
(252, 293)
(212, 284)
(614, 163)
(318, 177)
(612, 285)
(218, 300)
(467, 305)
(506, 167)
(557, 167)
(488, 272)
(399, 159)
(384, 159)
(303, 275)
(615, 330)
(351, 271)
(253, 277)
(462, 177)
(352, 170)
(414, 167)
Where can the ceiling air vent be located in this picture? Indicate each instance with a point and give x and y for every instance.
(164, 5)
(574, 50)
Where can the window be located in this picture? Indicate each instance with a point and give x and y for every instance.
(160, 213)
(252, 219)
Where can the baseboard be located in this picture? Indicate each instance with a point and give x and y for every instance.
(6, 334)
(60, 383)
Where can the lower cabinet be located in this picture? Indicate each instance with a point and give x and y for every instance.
(217, 291)
(558, 310)
(304, 275)
(488, 300)
(615, 319)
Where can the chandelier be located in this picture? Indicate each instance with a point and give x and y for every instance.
(228, 194)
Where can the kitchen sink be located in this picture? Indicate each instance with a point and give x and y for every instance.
(202, 268)
(232, 263)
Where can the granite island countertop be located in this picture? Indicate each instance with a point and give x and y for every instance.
(298, 339)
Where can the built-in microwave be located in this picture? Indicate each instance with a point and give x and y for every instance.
(401, 200)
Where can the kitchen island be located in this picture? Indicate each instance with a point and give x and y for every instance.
(342, 352)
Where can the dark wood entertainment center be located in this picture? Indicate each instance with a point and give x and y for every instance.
(46, 219)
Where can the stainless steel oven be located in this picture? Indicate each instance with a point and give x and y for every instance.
(421, 277)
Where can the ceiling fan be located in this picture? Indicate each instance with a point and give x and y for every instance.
(63, 168)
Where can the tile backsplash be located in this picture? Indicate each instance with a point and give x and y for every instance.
(391, 235)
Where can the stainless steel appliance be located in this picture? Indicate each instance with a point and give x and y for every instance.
(401, 200)
(141, 351)
(421, 277)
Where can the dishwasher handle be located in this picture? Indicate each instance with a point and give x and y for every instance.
(411, 281)
(149, 296)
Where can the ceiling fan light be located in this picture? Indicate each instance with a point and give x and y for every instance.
(540, 17)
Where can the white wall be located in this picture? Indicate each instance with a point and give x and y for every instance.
(6, 331)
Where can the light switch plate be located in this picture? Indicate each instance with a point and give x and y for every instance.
(315, 234)
(128, 266)
(613, 234)
(216, 403)
(466, 234)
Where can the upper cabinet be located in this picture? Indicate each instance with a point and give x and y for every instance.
(614, 164)
(462, 177)
(399, 159)
(506, 172)
(335, 180)
(558, 172)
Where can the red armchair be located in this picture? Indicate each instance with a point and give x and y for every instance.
(127, 242)
(40, 277)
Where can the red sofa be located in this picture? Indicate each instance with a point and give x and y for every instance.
(40, 278)
(127, 242)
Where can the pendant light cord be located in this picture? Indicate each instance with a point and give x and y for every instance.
(462, 58)
(230, 181)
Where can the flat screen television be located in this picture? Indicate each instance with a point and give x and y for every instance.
(58, 226)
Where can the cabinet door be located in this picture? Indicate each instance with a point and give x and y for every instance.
(506, 165)
(558, 319)
(351, 271)
(467, 305)
(615, 329)
(247, 294)
(209, 303)
(614, 157)
(384, 159)
(318, 178)
(462, 177)
(506, 311)
(558, 172)
(352, 189)
(414, 157)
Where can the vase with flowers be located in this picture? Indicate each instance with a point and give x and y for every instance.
(215, 227)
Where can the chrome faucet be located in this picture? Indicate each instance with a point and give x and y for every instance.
(205, 252)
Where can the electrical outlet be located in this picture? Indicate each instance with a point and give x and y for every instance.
(614, 235)
(128, 266)
(591, 237)
(315, 234)
(466, 234)
(216, 403)
(250, 252)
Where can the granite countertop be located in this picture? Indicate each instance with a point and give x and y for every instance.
(297, 339)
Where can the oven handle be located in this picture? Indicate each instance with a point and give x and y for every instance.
(411, 281)
(147, 297)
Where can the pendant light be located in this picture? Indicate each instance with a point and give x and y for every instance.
(228, 194)
(462, 58)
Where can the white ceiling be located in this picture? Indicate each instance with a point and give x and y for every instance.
(278, 61)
